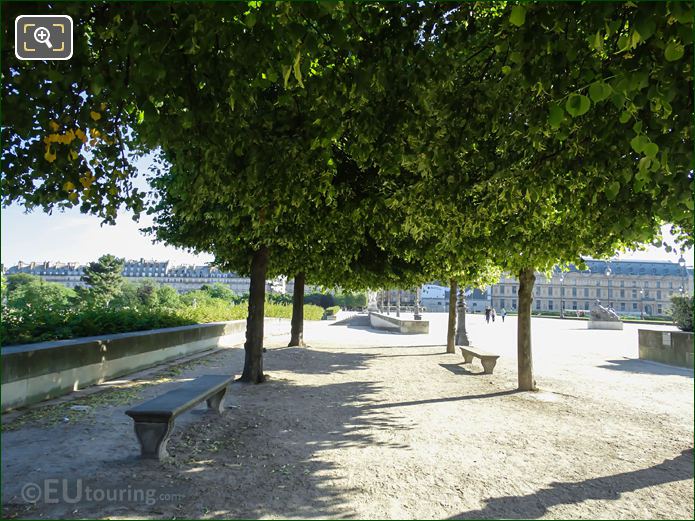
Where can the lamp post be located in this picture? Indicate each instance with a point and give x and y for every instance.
(562, 295)
(641, 303)
(681, 263)
(416, 311)
(608, 284)
(461, 333)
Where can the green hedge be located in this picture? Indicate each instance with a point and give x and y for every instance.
(94, 322)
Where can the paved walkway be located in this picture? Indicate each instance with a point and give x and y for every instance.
(369, 424)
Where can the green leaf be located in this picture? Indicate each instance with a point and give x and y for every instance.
(625, 116)
(518, 16)
(577, 105)
(597, 41)
(650, 150)
(612, 190)
(599, 91)
(645, 26)
(250, 20)
(506, 69)
(297, 68)
(674, 51)
(286, 70)
(141, 116)
(638, 143)
(556, 116)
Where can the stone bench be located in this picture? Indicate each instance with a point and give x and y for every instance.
(488, 360)
(154, 419)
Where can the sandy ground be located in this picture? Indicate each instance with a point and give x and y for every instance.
(368, 424)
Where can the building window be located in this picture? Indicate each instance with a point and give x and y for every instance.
(586, 292)
(658, 295)
(513, 303)
(634, 306)
(634, 293)
(586, 306)
(550, 305)
(598, 292)
(658, 309)
(501, 302)
(550, 291)
(574, 293)
(622, 293)
(562, 291)
(538, 290)
(658, 284)
(574, 304)
(622, 306)
(538, 304)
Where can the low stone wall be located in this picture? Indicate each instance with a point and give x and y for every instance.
(35, 372)
(408, 327)
(668, 347)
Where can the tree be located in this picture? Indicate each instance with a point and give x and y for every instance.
(219, 290)
(546, 175)
(15, 280)
(682, 312)
(104, 279)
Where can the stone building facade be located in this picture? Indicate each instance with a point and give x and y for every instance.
(631, 287)
(182, 278)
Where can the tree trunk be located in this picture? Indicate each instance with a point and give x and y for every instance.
(253, 361)
(451, 330)
(398, 303)
(297, 338)
(525, 360)
(461, 333)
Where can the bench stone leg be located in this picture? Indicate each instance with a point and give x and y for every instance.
(488, 365)
(153, 438)
(216, 402)
(467, 359)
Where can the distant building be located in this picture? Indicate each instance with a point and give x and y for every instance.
(182, 278)
(631, 287)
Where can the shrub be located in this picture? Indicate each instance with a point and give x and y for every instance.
(312, 312)
(324, 300)
(682, 312)
(333, 310)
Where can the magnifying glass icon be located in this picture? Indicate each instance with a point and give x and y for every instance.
(43, 35)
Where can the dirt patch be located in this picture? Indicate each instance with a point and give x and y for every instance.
(369, 431)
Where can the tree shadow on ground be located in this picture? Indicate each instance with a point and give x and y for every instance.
(263, 458)
(632, 365)
(306, 360)
(536, 505)
(441, 400)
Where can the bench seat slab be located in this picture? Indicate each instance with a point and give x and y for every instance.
(154, 419)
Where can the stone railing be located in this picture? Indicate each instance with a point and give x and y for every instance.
(668, 347)
(35, 372)
(381, 321)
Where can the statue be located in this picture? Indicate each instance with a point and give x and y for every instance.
(600, 313)
(372, 304)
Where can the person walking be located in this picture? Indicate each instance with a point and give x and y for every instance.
(493, 314)
(504, 314)
(487, 314)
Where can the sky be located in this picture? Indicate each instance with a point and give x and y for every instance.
(74, 237)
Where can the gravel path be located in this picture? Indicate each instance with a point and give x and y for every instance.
(367, 424)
